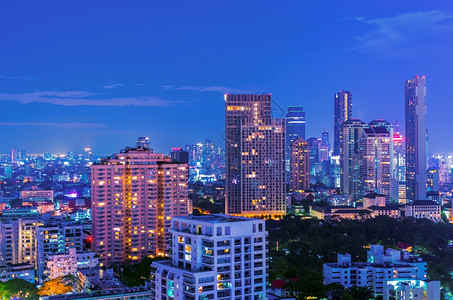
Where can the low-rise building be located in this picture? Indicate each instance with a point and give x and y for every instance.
(421, 209)
(340, 200)
(379, 267)
(61, 264)
(23, 271)
(87, 260)
(409, 288)
(373, 199)
(349, 214)
(393, 211)
(36, 195)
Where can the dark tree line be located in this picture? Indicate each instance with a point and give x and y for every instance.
(305, 244)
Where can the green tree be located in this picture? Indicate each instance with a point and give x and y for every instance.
(137, 274)
(18, 288)
(58, 286)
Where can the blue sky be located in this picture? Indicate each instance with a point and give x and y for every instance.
(101, 73)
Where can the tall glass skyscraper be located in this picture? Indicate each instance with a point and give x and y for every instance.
(295, 126)
(255, 157)
(342, 113)
(416, 140)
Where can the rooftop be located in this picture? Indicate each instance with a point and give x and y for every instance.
(373, 195)
(424, 202)
(217, 218)
(100, 294)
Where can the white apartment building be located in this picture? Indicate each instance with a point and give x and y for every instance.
(61, 264)
(380, 266)
(213, 257)
(414, 289)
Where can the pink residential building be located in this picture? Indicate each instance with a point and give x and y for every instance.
(135, 193)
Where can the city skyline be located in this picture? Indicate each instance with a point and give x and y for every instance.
(142, 76)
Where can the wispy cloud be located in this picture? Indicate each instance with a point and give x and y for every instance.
(197, 88)
(58, 125)
(112, 85)
(403, 29)
(23, 77)
(79, 98)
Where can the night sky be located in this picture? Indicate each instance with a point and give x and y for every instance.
(100, 73)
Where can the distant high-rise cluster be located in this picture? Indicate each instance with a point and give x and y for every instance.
(206, 161)
(255, 156)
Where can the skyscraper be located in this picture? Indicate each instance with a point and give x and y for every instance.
(134, 196)
(314, 145)
(342, 113)
(325, 138)
(415, 103)
(255, 156)
(350, 156)
(299, 165)
(295, 126)
(376, 159)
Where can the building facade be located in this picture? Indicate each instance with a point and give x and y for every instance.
(380, 267)
(421, 209)
(416, 138)
(134, 196)
(213, 257)
(376, 160)
(409, 288)
(61, 264)
(56, 238)
(255, 157)
(350, 158)
(299, 165)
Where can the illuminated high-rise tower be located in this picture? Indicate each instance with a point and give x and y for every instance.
(255, 157)
(376, 159)
(134, 196)
(299, 165)
(342, 113)
(350, 158)
(416, 143)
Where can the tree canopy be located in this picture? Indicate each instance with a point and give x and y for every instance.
(17, 288)
(58, 286)
(305, 244)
